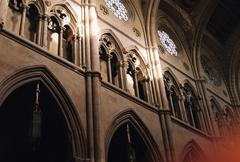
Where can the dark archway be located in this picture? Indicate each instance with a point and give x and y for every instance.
(16, 116)
(129, 140)
(127, 146)
(72, 123)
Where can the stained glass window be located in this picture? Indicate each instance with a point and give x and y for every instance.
(167, 43)
(118, 9)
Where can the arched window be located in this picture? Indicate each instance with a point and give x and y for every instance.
(171, 88)
(31, 24)
(191, 106)
(110, 60)
(167, 42)
(14, 14)
(53, 35)
(118, 9)
(136, 77)
(67, 44)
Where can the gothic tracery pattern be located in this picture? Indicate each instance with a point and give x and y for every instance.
(118, 9)
(167, 42)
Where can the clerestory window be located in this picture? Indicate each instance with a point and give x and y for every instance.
(118, 9)
(167, 42)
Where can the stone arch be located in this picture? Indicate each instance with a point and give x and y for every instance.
(193, 146)
(143, 61)
(115, 39)
(198, 35)
(42, 74)
(191, 86)
(176, 33)
(40, 5)
(129, 116)
(175, 79)
(214, 101)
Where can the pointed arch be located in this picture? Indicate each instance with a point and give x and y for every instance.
(44, 75)
(192, 106)
(187, 82)
(214, 101)
(136, 50)
(193, 148)
(173, 93)
(129, 116)
(175, 79)
(40, 5)
(116, 41)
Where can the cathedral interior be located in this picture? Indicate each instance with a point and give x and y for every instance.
(119, 80)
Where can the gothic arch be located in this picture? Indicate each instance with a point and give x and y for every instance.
(169, 70)
(129, 116)
(191, 86)
(114, 37)
(40, 5)
(118, 46)
(192, 146)
(42, 74)
(136, 50)
(198, 35)
(214, 101)
(176, 33)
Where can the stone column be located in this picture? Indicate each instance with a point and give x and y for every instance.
(121, 84)
(109, 69)
(162, 105)
(45, 19)
(75, 50)
(171, 107)
(79, 50)
(191, 112)
(95, 65)
(39, 34)
(147, 89)
(124, 66)
(23, 19)
(60, 45)
(135, 83)
(182, 108)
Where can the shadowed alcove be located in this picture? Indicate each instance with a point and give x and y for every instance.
(127, 146)
(51, 143)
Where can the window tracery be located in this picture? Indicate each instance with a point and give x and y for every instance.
(15, 4)
(173, 98)
(191, 106)
(109, 61)
(167, 42)
(118, 9)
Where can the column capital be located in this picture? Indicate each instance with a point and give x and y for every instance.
(61, 28)
(25, 7)
(110, 56)
(123, 64)
(45, 17)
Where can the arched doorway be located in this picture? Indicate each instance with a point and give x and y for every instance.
(51, 143)
(127, 145)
